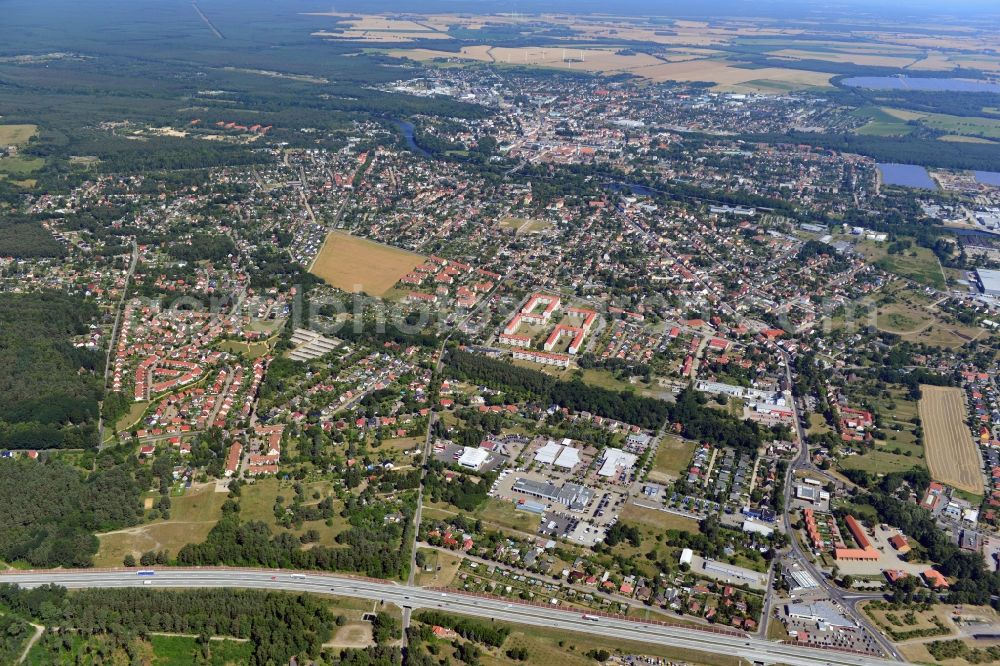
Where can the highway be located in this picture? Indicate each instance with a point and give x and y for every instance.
(409, 596)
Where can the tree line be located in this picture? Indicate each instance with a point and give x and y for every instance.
(575, 395)
(279, 626)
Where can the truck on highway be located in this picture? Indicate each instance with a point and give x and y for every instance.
(592, 618)
(145, 572)
(298, 575)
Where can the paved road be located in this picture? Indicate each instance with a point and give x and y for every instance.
(415, 597)
(803, 462)
(113, 340)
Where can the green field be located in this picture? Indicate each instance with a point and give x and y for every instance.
(660, 520)
(131, 418)
(551, 646)
(20, 165)
(881, 462)
(672, 457)
(881, 123)
(184, 650)
(961, 125)
(252, 350)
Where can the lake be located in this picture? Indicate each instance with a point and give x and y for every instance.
(907, 175)
(920, 83)
(407, 129)
(988, 177)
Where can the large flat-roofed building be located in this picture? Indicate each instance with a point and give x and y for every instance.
(548, 453)
(572, 495)
(820, 612)
(989, 281)
(614, 460)
(473, 458)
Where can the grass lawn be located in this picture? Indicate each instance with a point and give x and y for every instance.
(523, 225)
(184, 650)
(253, 350)
(192, 516)
(672, 456)
(661, 520)
(605, 379)
(817, 424)
(506, 514)
(776, 630)
(908, 313)
(881, 462)
(400, 444)
(444, 567)
(131, 419)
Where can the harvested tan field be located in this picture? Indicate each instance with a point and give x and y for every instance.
(379, 37)
(607, 61)
(903, 114)
(934, 62)
(358, 264)
(371, 28)
(16, 135)
(952, 455)
(568, 57)
(725, 74)
(869, 59)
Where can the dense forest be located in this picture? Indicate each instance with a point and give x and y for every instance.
(575, 395)
(203, 247)
(705, 424)
(697, 420)
(49, 512)
(278, 626)
(926, 151)
(49, 390)
(25, 238)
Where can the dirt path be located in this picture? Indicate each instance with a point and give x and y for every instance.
(140, 529)
(31, 642)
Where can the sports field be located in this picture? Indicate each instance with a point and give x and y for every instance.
(952, 455)
(360, 265)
